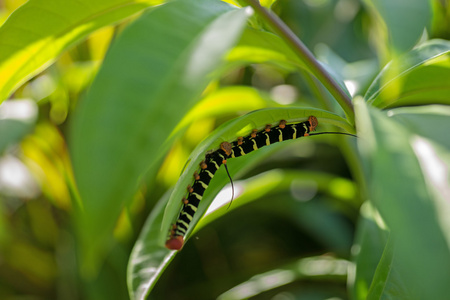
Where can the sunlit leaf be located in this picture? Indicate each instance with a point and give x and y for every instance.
(421, 76)
(40, 30)
(150, 78)
(267, 3)
(257, 46)
(409, 196)
(225, 101)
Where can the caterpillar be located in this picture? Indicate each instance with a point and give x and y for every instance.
(213, 161)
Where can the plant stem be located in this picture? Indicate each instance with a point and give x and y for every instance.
(307, 58)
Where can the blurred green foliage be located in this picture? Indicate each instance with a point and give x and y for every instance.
(108, 106)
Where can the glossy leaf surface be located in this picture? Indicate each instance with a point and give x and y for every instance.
(371, 238)
(241, 126)
(40, 30)
(408, 182)
(421, 76)
(146, 266)
(150, 78)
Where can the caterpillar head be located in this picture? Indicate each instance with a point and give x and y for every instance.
(175, 243)
(313, 123)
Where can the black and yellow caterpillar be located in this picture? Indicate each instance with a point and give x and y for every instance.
(213, 161)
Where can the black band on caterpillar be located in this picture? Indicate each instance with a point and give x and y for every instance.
(215, 159)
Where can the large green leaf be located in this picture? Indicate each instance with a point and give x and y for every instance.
(408, 184)
(430, 121)
(40, 30)
(405, 20)
(310, 268)
(224, 101)
(149, 256)
(387, 282)
(148, 259)
(371, 238)
(229, 132)
(151, 76)
(421, 76)
(257, 46)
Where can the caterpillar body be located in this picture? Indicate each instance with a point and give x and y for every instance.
(213, 161)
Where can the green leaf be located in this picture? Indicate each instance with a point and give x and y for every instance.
(40, 30)
(357, 75)
(152, 75)
(371, 238)
(408, 184)
(229, 132)
(310, 268)
(313, 216)
(257, 46)
(17, 118)
(278, 181)
(431, 121)
(226, 101)
(405, 20)
(148, 259)
(421, 76)
(267, 3)
(387, 282)
(147, 265)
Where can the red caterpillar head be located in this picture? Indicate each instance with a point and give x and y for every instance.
(175, 243)
(313, 121)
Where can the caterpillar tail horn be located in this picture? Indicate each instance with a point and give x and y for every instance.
(232, 186)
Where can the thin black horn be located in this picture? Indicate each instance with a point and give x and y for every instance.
(232, 186)
(328, 132)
